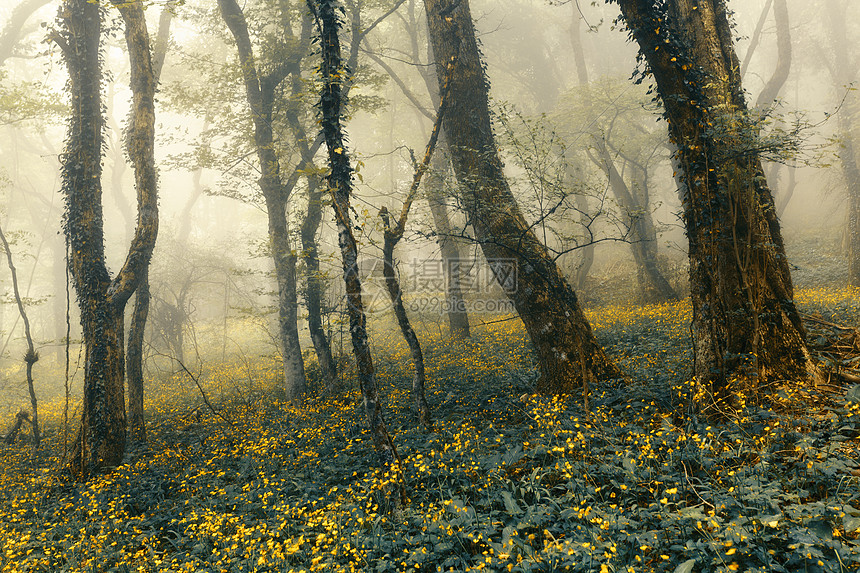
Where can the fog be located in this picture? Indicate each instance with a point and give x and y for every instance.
(212, 279)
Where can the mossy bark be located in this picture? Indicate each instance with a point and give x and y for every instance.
(746, 327)
(340, 184)
(567, 351)
(102, 435)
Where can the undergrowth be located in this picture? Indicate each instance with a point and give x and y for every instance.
(508, 481)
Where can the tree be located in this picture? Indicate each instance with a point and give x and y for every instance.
(842, 67)
(11, 33)
(391, 236)
(31, 356)
(340, 185)
(134, 353)
(587, 259)
(567, 351)
(745, 324)
(260, 91)
(101, 438)
(435, 182)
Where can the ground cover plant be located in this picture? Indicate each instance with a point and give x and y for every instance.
(508, 481)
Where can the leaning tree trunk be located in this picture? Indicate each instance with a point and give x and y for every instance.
(391, 237)
(567, 351)
(745, 324)
(260, 93)
(101, 438)
(340, 183)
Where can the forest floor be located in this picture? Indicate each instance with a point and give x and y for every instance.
(508, 481)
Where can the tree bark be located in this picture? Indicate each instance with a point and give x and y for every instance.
(567, 351)
(260, 93)
(134, 351)
(745, 324)
(340, 184)
(101, 439)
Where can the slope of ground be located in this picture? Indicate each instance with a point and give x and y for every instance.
(509, 481)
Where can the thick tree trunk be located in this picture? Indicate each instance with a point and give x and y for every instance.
(745, 324)
(260, 91)
(101, 439)
(340, 182)
(567, 351)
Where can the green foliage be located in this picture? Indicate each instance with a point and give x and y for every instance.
(508, 482)
(28, 102)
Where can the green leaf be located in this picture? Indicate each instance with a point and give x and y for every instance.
(686, 566)
(511, 504)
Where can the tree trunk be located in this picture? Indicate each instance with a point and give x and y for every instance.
(316, 285)
(654, 288)
(745, 324)
(309, 228)
(101, 439)
(458, 317)
(844, 72)
(31, 356)
(587, 257)
(260, 92)
(340, 182)
(771, 89)
(566, 348)
(134, 361)
(419, 377)
(392, 236)
(134, 352)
